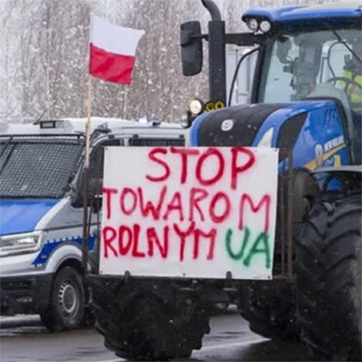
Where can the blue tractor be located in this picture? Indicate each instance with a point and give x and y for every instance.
(302, 103)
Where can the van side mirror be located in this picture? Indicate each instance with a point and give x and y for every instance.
(191, 48)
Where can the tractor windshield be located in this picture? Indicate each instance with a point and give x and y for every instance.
(296, 64)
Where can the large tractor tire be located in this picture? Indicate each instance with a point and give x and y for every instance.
(270, 308)
(328, 279)
(143, 327)
(66, 308)
(270, 311)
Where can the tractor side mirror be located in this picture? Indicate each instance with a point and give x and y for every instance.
(191, 48)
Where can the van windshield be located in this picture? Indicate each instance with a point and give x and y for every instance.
(38, 167)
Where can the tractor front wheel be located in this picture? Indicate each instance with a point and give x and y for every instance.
(270, 310)
(328, 279)
(140, 326)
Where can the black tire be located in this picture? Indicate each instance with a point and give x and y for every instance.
(66, 303)
(220, 308)
(192, 332)
(328, 276)
(270, 314)
(146, 329)
(89, 317)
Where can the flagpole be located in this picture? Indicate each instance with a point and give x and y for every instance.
(86, 177)
(103, 34)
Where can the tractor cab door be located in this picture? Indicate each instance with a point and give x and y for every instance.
(240, 67)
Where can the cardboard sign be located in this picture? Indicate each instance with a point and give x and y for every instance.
(189, 212)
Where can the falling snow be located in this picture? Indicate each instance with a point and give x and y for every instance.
(44, 57)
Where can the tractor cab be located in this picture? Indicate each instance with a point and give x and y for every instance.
(305, 55)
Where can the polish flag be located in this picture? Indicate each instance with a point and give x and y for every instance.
(112, 51)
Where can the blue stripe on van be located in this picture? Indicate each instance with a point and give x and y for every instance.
(50, 246)
(21, 216)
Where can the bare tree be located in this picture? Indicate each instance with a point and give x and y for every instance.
(10, 95)
(44, 56)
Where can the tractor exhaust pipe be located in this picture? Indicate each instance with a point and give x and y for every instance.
(217, 61)
(212, 9)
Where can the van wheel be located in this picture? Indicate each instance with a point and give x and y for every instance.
(66, 304)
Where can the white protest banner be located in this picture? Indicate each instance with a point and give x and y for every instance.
(189, 212)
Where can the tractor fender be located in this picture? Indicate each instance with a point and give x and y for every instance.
(304, 190)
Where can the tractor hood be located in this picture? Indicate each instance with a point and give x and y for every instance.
(245, 125)
(233, 126)
(313, 129)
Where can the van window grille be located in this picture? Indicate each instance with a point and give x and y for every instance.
(38, 167)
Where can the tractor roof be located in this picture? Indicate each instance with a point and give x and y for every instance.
(333, 11)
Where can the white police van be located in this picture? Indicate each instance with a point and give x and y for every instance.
(41, 211)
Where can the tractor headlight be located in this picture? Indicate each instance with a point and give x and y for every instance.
(196, 107)
(253, 25)
(265, 26)
(266, 140)
(20, 243)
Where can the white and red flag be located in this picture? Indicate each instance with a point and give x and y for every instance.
(112, 51)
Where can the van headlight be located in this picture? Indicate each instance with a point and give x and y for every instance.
(266, 140)
(21, 243)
